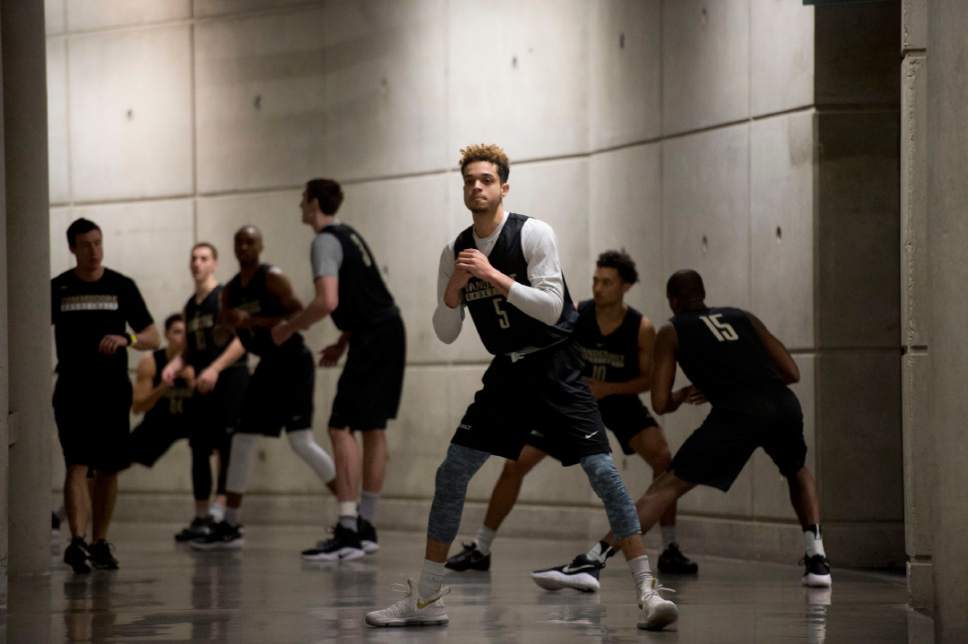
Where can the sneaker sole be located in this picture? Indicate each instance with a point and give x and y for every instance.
(662, 617)
(220, 545)
(343, 554)
(370, 547)
(412, 621)
(811, 580)
(556, 581)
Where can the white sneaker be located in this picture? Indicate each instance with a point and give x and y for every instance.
(657, 613)
(411, 610)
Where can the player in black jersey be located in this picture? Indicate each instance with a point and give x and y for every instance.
(616, 342)
(280, 391)
(91, 308)
(351, 290)
(736, 364)
(218, 359)
(505, 270)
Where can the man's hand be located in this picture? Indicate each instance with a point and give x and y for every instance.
(236, 319)
(111, 343)
(694, 396)
(474, 262)
(169, 373)
(329, 356)
(282, 332)
(206, 380)
(599, 388)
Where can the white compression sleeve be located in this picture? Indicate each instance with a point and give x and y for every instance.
(306, 447)
(447, 321)
(545, 298)
(240, 462)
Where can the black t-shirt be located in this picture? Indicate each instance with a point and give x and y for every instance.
(613, 357)
(255, 299)
(504, 328)
(205, 338)
(84, 312)
(721, 354)
(170, 408)
(364, 300)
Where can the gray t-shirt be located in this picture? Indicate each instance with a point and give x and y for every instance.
(326, 255)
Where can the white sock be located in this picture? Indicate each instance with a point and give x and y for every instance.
(641, 573)
(668, 535)
(431, 579)
(347, 515)
(232, 515)
(813, 543)
(368, 503)
(484, 539)
(598, 552)
(217, 510)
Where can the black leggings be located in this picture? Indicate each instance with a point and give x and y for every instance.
(202, 470)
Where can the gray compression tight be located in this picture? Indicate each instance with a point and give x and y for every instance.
(453, 475)
(608, 485)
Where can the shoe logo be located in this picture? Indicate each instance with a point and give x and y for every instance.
(568, 570)
(464, 427)
(592, 434)
(423, 604)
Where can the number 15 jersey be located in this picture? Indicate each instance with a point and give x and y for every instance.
(721, 354)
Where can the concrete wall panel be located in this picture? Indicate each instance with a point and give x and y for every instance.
(625, 212)
(314, 101)
(535, 67)
(626, 59)
(206, 8)
(919, 455)
(54, 16)
(914, 216)
(781, 42)
(61, 258)
(130, 114)
(58, 160)
(782, 225)
(914, 24)
(705, 63)
(705, 211)
(104, 14)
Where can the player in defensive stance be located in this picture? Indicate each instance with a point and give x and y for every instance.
(505, 270)
(736, 364)
(616, 342)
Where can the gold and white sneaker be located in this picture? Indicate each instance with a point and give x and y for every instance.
(657, 613)
(412, 610)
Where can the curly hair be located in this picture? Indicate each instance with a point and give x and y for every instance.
(621, 262)
(487, 152)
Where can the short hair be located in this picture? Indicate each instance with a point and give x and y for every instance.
(79, 227)
(327, 192)
(686, 285)
(172, 319)
(208, 245)
(487, 152)
(621, 262)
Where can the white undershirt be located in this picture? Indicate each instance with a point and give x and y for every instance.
(543, 300)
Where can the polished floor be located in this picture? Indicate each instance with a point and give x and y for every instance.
(265, 594)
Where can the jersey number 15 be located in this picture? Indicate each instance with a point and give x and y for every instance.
(723, 331)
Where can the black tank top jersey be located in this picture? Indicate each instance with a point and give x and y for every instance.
(721, 354)
(171, 406)
(205, 338)
(255, 299)
(503, 328)
(613, 357)
(364, 300)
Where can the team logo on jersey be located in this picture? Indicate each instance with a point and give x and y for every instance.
(602, 357)
(89, 303)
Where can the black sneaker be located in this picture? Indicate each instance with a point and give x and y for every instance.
(581, 574)
(367, 535)
(343, 546)
(673, 562)
(470, 558)
(222, 536)
(76, 555)
(101, 556)
(198, 528)
(816, 572)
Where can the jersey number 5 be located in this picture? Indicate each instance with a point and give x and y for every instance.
(502, 316)
(723, 331)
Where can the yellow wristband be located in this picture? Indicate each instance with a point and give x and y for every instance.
(132, 339)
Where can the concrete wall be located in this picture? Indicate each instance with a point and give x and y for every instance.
(716, 135)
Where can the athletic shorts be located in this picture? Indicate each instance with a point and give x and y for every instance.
(626, 417)
(280, 393)
(369, 389)
(543, 393)
(217, 414)
(149, 441)
(716, 453)
(93, 423)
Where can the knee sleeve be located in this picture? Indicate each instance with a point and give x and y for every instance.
(243, 449)
(305, 445)
(201, 473)
(608, 485)
(453, 475)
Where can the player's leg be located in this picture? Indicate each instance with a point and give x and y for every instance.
(476, 555)
(77, 504)
(375, 455)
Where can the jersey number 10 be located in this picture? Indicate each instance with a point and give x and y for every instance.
(723, 331)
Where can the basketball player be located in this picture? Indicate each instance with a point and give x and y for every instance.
(505, 270)
(91, 309)
(218, 358)
(616, 342)
(736, 364)
(349, 287)
(280, 392)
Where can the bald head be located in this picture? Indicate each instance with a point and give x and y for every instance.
(248, 245)
(685, 290)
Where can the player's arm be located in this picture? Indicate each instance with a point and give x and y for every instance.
(449, 314)
(145, 394)
(642, 382)
(779, 356)
(148, 339)
(324, 303)
(279, 287)
(664, 399)
(209, 377)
